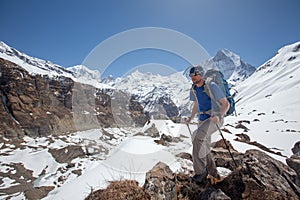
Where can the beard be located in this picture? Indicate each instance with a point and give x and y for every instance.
(197, 82)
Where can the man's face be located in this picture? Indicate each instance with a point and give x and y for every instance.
(196, 78)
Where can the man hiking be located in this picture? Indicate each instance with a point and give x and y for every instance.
(211, 111)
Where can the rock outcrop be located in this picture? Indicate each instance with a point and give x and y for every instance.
(294, 160)
(259, 176)
(160, 182)
(40, 106)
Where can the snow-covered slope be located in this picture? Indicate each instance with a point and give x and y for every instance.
(82, 74)
(270, 101)
(79, 73)
(276, 76)
(31, 64)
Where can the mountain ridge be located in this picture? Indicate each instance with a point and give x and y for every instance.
(166, 96)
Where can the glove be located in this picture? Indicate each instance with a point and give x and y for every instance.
(187, 120)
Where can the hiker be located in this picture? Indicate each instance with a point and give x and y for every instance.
(208, 117)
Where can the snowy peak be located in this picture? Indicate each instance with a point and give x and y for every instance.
(83, 71)
(84, 75)
(235, 70)
(227, 55)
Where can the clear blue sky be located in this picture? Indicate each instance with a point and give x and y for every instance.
(66, 31)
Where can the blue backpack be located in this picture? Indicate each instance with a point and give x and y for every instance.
(218, 77)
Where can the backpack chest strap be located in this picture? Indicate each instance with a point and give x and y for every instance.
(208, 112)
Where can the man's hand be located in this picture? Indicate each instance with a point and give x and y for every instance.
(215, 119)
(187, 120)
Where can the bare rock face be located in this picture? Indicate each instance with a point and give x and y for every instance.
(33, 105)
(294, 163)
(40, 106)
(296, 149)
(294, 160)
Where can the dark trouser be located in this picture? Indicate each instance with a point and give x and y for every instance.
(202, 159)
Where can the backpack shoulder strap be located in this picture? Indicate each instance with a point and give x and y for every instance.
(207, 88)
(194, 92)
(208, 91)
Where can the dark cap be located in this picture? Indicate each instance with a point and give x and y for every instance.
(196, 70)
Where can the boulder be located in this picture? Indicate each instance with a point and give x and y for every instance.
(260, 177)
(296, 149)
(160, 182)
(67, 154)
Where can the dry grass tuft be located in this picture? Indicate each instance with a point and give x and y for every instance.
(125, 189)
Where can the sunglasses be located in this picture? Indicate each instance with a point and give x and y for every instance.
(193, 74)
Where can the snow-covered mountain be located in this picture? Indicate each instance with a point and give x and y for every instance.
(235, 70)
(81, 70)
(159, 95)
(279, 75)
(34, 66)
(169, 95)
(31, 64)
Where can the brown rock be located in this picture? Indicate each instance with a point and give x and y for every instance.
(296, 149)
(160, 183)
(40, 106)
(67, 154)
(294, 163)
(261, 177)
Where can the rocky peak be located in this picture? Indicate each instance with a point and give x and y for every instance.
(233, 67)
(226, 55)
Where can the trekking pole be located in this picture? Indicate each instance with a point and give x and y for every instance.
(187, 124)
(189, 129)
(226, 145)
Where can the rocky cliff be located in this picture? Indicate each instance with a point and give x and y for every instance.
(37, 105)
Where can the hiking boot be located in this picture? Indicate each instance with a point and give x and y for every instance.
(199, 179)
(215, 180)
